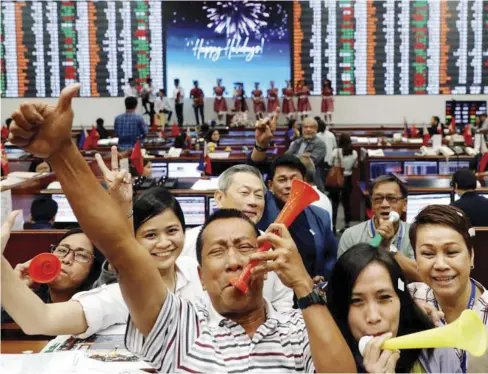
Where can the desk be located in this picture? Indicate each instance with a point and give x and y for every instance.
(19, 346)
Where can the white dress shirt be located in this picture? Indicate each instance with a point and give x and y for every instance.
(105, 306)
(149, 91)
(175, 93)
(161, 104)
(130, 91)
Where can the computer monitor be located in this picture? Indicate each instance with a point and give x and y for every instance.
(212, 205)
(159, 169)
(183, 170)
(450, 167)
(193, 208)
(464, 111)
(65, 213)
(378, 168)
(416, 203)
(420, 168)
(14, 153)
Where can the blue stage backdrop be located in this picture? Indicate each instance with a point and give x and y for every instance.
(246, 41)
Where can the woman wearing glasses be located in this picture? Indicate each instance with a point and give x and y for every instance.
(159, 226)
(81, 264)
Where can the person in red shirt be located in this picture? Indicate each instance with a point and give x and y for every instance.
(220, 105)
(272, 98)
(198, 100)
(240, 104)
(304, 107)
(288, 106)
(258, 102)
(327, 101)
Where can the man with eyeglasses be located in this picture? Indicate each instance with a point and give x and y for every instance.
(387, 194)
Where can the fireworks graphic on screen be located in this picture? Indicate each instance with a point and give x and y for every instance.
(236, 17)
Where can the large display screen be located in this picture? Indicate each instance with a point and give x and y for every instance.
(237, 41)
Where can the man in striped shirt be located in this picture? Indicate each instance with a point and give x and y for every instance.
(234, 332)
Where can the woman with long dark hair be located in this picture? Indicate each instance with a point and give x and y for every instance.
(367, 295)
(345, 157)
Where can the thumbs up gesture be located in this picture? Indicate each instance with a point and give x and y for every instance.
(42, 129)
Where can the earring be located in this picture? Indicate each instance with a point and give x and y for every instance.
(472, 267)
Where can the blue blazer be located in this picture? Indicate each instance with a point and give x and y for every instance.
(319, 221)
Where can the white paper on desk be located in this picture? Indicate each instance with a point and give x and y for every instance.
(477, 142)
(219, 155)
(415, 141)
(72, 362)
(41, 363)
(54, 186)
(114, 330)
(436, 141)
(10, 181)
(206, 184)
(23, 174)
(6, 203)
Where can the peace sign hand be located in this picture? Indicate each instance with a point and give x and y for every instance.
(119, 181)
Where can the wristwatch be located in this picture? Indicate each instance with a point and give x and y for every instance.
(317, 296)
(260, 149)
(393, 249)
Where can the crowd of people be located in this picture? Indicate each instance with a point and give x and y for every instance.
(310, 299)
(263, 102)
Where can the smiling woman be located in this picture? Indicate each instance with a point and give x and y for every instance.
(159, 228)
(442, 238)
(367, 296)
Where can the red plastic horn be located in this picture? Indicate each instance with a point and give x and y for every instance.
(301, 196)
(44, 268)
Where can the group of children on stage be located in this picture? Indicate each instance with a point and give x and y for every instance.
(302, 92)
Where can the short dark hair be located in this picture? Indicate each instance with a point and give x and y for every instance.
(436, 119)
(339, 294)
(153, 202)
(290, 161)
(100, 121)
(386, 179)
(177, 81)
(464, 179)
(483, 115)
(162, 90)
(130, 80)
(148, 80)
(96, 267)
(443, 215)
(221, 214)
(36, 162)
(43, 208)
(321, 124)
(130, 103)
(8, 121)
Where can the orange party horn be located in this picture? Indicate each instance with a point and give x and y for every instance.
(301, 196)
(44, 268)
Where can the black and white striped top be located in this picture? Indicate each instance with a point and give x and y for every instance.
(191, 337)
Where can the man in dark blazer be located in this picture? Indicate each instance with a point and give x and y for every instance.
(470, 202)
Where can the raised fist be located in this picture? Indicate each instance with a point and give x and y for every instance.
(42, 129)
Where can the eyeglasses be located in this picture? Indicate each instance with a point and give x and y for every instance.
(391, 199)
(79, 255)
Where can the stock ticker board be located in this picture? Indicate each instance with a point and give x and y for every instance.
(390, 47)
